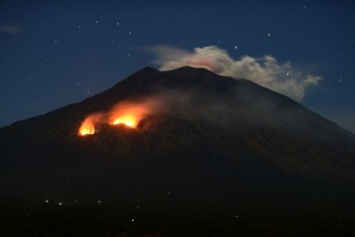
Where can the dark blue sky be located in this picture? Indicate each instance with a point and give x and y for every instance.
(53, 53)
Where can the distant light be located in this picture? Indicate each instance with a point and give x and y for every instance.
(47, 200)
(60, 204)
(132, 220)
(99, 202)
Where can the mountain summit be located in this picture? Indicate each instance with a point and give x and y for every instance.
(187, 113)
(219, 144)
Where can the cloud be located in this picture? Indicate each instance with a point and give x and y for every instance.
(265, 71)
(10, 29)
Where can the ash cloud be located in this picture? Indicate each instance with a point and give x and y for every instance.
(265, 71)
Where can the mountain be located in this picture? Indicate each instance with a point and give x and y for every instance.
(215, 143)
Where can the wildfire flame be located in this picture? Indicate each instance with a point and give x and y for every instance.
(126, 113)
(87, 127)
(127, 120)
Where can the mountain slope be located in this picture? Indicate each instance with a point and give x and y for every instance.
(210, 147)
(206, 114)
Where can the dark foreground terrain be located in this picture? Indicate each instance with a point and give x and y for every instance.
(114, 218)
(213, 206)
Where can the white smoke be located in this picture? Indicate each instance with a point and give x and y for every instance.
(265, 71)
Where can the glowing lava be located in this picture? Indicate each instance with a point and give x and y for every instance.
(127, 120)
(87, 127)
(128, 113)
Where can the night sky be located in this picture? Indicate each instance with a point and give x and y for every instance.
(53, 53)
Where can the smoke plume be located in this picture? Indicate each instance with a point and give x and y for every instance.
(265, 71)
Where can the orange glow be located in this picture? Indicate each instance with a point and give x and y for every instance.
(127, 120)
(87, 127)
(129, 113)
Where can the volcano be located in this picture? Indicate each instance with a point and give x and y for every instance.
(185, 143)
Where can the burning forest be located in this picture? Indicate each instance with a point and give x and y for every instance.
(128, 113)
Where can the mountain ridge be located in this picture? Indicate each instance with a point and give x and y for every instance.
(203, 155)
(205, 117)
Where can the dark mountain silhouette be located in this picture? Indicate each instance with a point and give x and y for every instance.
(217, 144)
